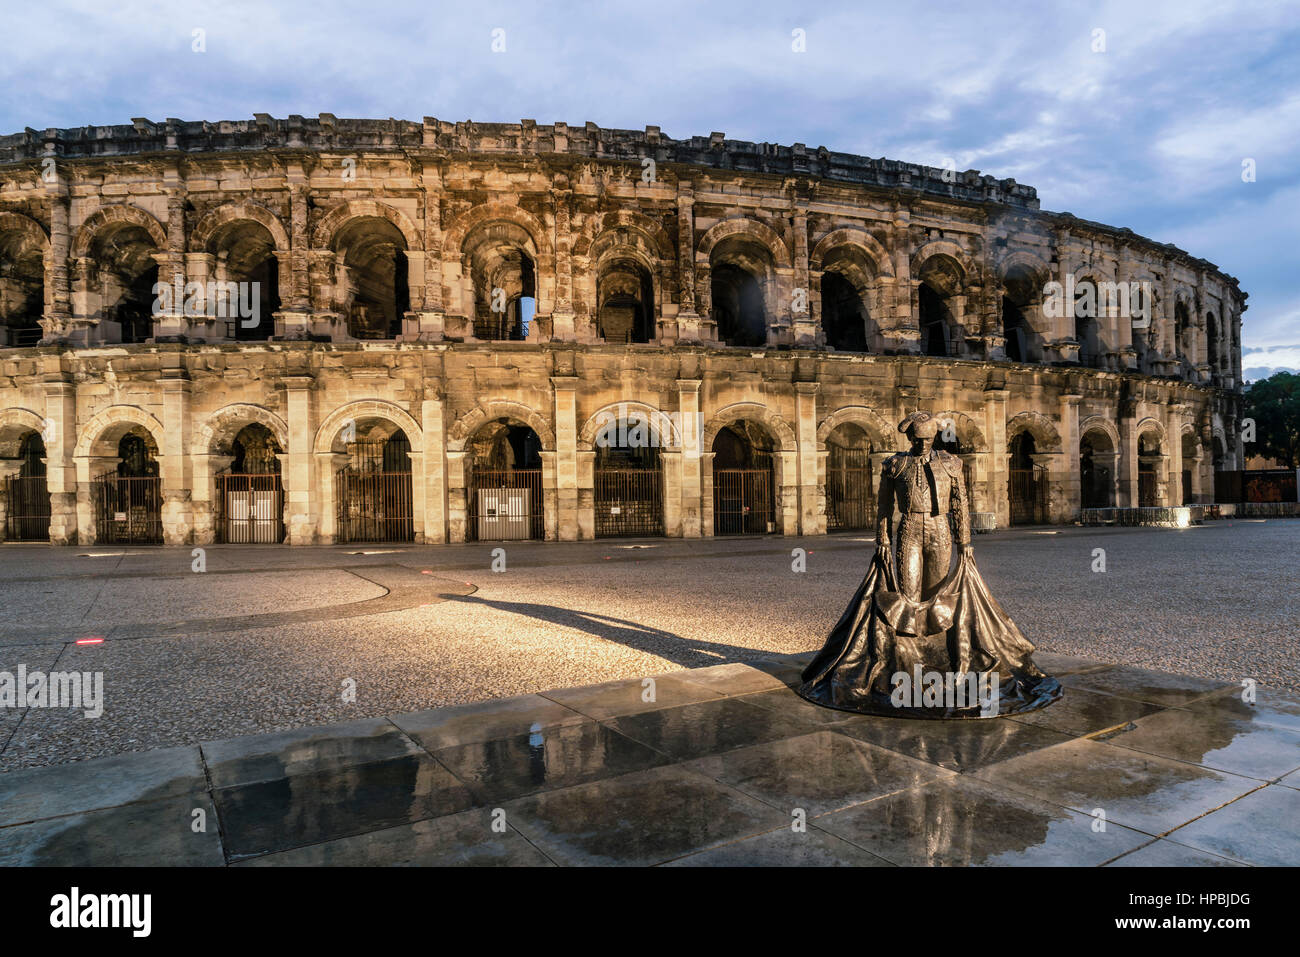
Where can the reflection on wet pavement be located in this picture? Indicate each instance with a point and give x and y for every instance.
(723, 767)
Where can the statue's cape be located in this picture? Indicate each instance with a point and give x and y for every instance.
(961, 629)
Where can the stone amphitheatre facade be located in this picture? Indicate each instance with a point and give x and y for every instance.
(466, 331)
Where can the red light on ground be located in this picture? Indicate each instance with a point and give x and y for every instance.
(90, 641)
(425, 571)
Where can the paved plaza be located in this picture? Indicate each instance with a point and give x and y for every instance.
(383, 704)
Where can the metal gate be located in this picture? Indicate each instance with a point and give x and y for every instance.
(505, 505)
(850, 497)
(743, 502)
(1027, 491)
(629, 502)
(374, 506)
(28, 517)
(1147, 489)
(128, 509)
(250, 509)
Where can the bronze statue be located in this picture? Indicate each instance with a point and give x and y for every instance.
(928, 640)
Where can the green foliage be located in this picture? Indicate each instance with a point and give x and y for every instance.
(1274, 404)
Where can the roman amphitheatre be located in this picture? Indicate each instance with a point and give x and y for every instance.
(444, 314)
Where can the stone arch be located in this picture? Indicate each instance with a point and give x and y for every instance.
(943, 247)
(101, 434)
(1046, 437)
(608, 224)
(760, 233)
(1099, 423)
(15, 424)
(26, 226)
(853, 236)
(464, 428)
(462, 225)
(1152, 425)
(665, 431)
(212, 222)
(117, 213)
(338, 217)
(367, 409)
(776, 426)
(223, 425)
(884, 438)
(1030, 261)
(968, 433)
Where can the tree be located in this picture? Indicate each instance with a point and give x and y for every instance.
(1274, 404)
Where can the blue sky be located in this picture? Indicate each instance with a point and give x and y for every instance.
(1150, 134)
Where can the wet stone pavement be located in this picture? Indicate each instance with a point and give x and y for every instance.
(716, 766)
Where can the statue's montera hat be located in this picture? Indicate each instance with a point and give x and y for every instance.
(920, 425)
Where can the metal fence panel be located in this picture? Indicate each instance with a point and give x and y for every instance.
(505, 505)
(629, 502)
(742, 502)
(28, 516)
(128, 509)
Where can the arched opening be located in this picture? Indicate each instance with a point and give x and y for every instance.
(1190, 447)
(1021, 300)
(744, 480)
(370, 261)
(850, 485)
(1087, 330)
(121, 280)
(940, 284)
(1149, 457)
(503, 463)
(27, 497)
(500, 260)
(625, 297)
(1026, 482)
(740, 269)
(1184, 339)
(373, 490)
(22, 289)
(628, 476)
(245, 271)
(844, 314)
(127, 499)
(1212, 342)
(250, 494)
(1096, 470)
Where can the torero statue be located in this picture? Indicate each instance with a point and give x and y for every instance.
(926, 483)
(928, 621)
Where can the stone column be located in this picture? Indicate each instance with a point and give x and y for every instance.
(706, 494)
(432, 424)
(812, 497)
(294, 320)
(688, 327)
(995, 429)
(1068, 474)
(586, 470)
(566, 456)
(805, 329)
(690, 427)
(60, 445)
(57, 322)
(903, 334)
(303, 506)
(562, 317)
(176, 467)
(1174, 452)
(1127, 467)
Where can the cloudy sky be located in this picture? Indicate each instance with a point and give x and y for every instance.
(1150, 132)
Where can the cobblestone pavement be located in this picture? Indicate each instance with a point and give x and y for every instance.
(269, 638)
